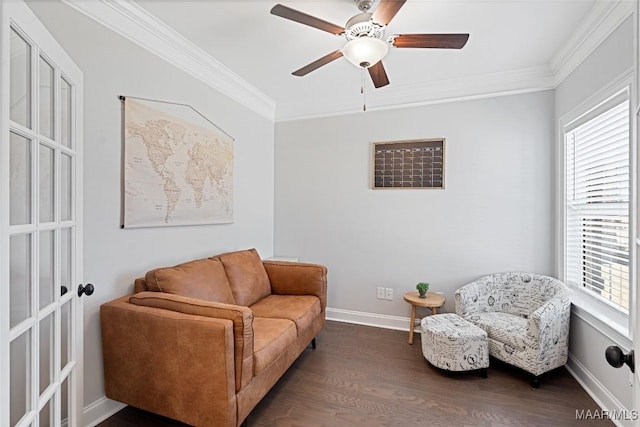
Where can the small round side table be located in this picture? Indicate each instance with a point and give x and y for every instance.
(432, 301)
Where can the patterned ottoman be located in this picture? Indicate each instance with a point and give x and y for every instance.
(449, 342)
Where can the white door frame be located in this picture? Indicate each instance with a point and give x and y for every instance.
(635, 294)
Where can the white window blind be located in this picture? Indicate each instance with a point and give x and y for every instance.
(597, 204)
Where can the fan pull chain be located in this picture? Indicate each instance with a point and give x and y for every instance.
(364, 96)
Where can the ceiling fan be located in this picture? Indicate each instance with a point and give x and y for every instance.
(364, 32)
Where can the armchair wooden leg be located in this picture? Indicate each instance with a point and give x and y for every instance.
(535, 381)
(313, 343)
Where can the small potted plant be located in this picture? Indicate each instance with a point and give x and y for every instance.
(422, 288)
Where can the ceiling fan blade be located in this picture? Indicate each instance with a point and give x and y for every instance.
(386, 10)
(378, 75)
(318, 63)
(303, 18)
(436, 41)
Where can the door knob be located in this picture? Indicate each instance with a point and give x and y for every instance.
(63, 290)
(616, 357)
(88, 289)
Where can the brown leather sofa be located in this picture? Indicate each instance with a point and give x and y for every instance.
(202, 342)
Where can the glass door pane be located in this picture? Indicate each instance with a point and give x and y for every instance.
(46, 352)
(46, 98)
(20, 180)
(20, 361)
(19, 278)
(46, 189)
(65, 392)
(46, 267)
(66, 188)
(65, 113)
(65, 334)
(46, 415)
(65, 258)
(20, 80)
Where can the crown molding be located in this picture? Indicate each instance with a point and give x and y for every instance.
(133, 22)
(436, 92)
(602, 20)
(136, 24)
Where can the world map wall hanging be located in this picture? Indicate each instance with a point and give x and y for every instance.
(408, 164)
(178, 166)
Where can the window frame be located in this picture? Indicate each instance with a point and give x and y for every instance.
(589, 210)
(586, 304)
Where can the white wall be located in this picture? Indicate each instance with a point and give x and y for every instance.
(113, 257)
(494, 215)
(589, 336)
(611, 59)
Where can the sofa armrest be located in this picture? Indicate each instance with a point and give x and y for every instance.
(171, 363)
(467, 300)
(242, 318)
(548, 325)
(296, 278)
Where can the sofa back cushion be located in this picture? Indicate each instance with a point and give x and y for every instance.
(514, 293)
(248, 279)
(140, 285)
(546, 289)
(204, 279)
(517, 293)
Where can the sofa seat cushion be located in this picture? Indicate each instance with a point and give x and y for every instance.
(203, 279)
(503, 327)
(271, 338)
(301, 309)
(248, 279)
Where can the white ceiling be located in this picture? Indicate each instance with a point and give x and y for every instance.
(239, 48)
(506, 37)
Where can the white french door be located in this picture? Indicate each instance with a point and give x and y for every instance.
(40, 225)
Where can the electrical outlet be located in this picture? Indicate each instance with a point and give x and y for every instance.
(380, 292)
(388, 294)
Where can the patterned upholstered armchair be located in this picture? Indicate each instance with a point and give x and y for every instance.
(526, 317)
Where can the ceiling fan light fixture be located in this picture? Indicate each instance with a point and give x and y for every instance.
(365, 52)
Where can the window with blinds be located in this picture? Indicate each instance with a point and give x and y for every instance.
(597, 203)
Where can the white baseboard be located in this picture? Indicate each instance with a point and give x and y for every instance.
(598, 392)
(369, 319)
(100, 410)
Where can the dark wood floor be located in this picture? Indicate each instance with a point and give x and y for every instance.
(364, 376)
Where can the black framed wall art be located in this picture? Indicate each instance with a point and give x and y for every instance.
(408, 164)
